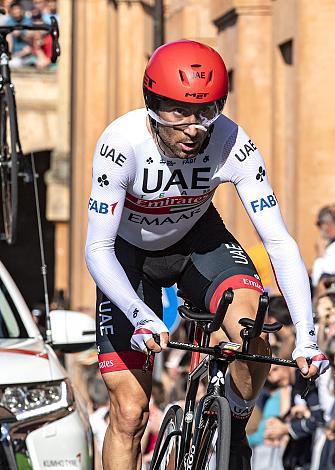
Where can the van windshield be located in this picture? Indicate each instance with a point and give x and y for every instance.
(11, 325)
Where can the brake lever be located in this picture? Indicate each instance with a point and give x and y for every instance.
(307, 388)
(146, 365)
(309, 382)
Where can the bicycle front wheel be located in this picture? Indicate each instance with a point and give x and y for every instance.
(166, 453)
(213, 447)
(8, 163)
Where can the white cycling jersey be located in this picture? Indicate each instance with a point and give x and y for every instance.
(152, 201)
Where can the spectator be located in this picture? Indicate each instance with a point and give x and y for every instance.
(26, 5)
(50, 10)
(5, 5)
(326, 282)
(41, 44)
(274, 401)
(39, 10)
(99, 417)
(325, 261)
(325, 316)
(174, 374)
(327, 459)
(156, 407)
(299, 426)
(20, 41)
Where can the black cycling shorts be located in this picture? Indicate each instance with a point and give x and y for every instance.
(204, 264)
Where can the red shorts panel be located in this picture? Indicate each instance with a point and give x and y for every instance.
(123, 360)
(239, 281)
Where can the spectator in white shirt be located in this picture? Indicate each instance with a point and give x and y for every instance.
(325, 261)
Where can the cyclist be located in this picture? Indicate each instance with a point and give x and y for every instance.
(152, 223)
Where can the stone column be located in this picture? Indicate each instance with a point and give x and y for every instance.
(244, 40)
(58, 177)
(284, 120)
(112, 41)
(315, 124)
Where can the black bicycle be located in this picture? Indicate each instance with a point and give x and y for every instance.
(12, 162)
(198, 436)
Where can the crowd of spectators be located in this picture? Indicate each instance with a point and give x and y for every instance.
(29, 48)
(286, 432)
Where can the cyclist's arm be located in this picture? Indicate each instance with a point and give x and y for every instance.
(251, 180)
(110, 179)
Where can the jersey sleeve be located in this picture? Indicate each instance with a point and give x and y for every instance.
(113, 169)
(245, 168)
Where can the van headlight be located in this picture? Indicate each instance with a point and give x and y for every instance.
(30, 400)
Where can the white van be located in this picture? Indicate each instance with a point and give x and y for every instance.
(42, 424)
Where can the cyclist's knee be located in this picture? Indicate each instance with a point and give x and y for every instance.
(129, 417)
(129, 397)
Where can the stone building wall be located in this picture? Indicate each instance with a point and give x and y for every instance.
(278, 54)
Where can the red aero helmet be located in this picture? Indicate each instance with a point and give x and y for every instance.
(186, 71)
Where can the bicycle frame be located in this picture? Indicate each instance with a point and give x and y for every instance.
(214, 365)
(12, 163)
(210, 366)
(5, 76)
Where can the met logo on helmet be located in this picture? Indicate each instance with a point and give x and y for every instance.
(198, 96)
(147, 81)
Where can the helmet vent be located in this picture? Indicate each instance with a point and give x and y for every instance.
(210, 77)
(183, 78)
(196, 66)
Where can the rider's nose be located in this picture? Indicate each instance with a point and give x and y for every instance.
(191, 130)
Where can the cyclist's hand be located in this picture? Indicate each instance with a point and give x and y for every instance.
(142, 339)
(319, 362)
(161, 345)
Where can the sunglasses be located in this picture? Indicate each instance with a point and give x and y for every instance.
(326, 221)
(328, 283)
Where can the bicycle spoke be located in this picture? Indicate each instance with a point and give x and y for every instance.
(210, 464)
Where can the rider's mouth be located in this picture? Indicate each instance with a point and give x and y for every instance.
(188, 146)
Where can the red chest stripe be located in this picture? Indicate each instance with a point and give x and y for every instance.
(166, 205)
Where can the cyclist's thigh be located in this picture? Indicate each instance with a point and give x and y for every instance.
(217, 262)
(113, 329)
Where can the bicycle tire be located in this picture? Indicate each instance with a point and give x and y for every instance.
(213, 448)
(171, 422)
(9, 163)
